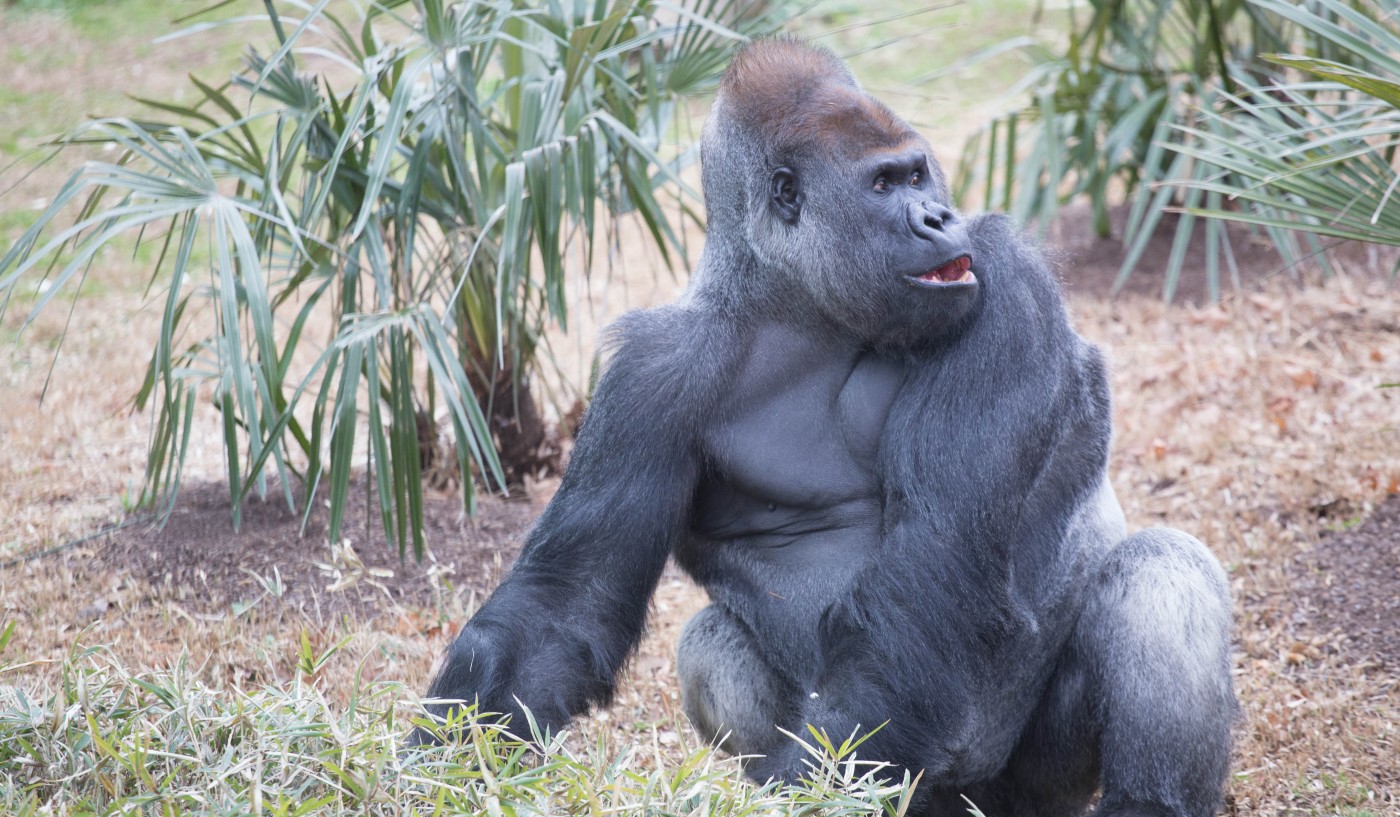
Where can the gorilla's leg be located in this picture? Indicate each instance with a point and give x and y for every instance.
(1159, 626)
(1142, 700)
(727, 687)
(1054, 770)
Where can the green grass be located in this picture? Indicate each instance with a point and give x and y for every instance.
(30, 116)
(102, 19)
(107, 740)
(1347, 797)
(92, 28)
(15, 221)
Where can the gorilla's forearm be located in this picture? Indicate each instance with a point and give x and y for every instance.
(556, 632)
(921, 728)
(561, 625)
(924, 704)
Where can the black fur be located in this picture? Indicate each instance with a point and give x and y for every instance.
(891, 483)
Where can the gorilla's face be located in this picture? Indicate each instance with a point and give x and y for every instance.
(925, 243)
(836, 200)
(876, 245)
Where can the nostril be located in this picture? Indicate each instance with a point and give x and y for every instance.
(929, 217)
(937, 216)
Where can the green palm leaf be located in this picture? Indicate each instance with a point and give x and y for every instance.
(426, 207)
(1318, 156)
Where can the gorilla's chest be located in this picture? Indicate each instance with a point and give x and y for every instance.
(795, 454)
(789, 509)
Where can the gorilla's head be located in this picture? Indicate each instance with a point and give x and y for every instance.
(831, 201)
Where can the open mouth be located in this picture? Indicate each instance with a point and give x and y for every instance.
(957, 271)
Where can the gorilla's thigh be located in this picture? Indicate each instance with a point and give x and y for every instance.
(1141, 702)
(1054, 770)
(726, 686)
(1160, 623)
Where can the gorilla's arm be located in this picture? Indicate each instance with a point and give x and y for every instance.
(990, 455)
(558, 629)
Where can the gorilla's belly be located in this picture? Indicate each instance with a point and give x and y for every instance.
(780, 581)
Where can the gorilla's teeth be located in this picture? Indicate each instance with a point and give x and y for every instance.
(957, 271)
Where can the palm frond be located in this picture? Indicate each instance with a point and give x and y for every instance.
(1313, 157)
(1121, 112)
(424, 209)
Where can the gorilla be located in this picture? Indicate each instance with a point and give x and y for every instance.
(869, 431)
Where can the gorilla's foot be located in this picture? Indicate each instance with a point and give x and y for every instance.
(731, 696)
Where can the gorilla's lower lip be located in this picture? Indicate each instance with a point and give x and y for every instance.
(957, 271)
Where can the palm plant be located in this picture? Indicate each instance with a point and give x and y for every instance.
(424, 209)
(1315, 155)
(1107, 113)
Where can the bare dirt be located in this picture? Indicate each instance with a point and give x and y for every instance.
(1348, 589)
(199, 560)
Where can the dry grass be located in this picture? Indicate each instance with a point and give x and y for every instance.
(1238, 424)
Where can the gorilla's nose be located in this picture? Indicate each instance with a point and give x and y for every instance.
(930, 217)
(936, 215)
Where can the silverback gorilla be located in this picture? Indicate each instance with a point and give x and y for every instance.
(869, 431)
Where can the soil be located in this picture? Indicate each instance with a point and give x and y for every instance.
(1348, 589)
(200, 561)
(1346, 592)
(1090, 264)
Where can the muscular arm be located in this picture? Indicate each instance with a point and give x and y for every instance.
(559, 627)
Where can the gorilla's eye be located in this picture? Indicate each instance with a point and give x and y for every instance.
(916, 177)
(881, 185)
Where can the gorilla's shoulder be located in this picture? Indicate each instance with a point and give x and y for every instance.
(680, 344)
(680, 329)
(997, 236)
(990, 225)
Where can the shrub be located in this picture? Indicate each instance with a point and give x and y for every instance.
(1123, 110)
(423, 206)
(1315, 155)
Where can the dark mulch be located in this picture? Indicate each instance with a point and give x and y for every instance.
(1349, 586)
(199, 560)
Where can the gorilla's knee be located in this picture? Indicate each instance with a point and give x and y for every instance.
(1164, 596)
(731, 695)
(1158, 625)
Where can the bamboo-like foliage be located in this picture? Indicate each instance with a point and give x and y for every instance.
(104, 739)
(1117, 114)
(1317, 155)
(426, 205)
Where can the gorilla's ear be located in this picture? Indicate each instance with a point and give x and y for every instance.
(784, 195)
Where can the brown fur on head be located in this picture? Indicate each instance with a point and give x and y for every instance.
(796, 97)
